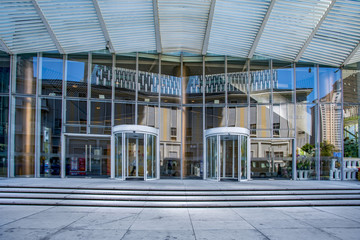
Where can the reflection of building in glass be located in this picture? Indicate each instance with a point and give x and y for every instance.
(330, 115)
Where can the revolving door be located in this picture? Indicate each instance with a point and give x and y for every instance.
(136, 152)
(227, 154)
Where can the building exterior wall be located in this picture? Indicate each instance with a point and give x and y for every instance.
(51, 103)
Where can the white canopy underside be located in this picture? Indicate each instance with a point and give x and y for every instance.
(317, 31)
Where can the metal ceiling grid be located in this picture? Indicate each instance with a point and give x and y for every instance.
(183, 24)
(337, 36)
(235, 25)
(289, 26)
(130, 24)
(74, 23)
(21, 28)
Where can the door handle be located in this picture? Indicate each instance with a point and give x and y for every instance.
(90, 158)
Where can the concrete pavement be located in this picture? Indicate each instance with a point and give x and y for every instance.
(37, 222)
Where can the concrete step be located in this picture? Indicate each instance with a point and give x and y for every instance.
(214, 192)
(66, 196)
(93, 203)
(105, 197)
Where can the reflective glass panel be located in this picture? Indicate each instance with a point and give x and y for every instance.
(51, 74)
(306, 83)
(87, 157)
(118, 155)
(192, 139)
(148, 79)
(351, 78)
(26, 73)
(330, 138)
(260, 121)
(50, 138)
(124, 113)
(4, 116)
(215, 117)
(306, 127)
(283, 82)
(237, 81)
(215, 80)
(261, 78)
(24, 137)
(101, 76)
(148, 115)
(330, 85)
(192, 79)
(151, 157)
(170, 142)
(77, 75)
(4, 73)
(212, 157)
(170, 79)
(125, 73)
(237, 116)
(76, 116)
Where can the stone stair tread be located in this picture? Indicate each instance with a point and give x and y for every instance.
(178, 204)
(105, 197)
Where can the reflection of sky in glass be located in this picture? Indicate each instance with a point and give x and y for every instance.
(75, 71)
(52, 68)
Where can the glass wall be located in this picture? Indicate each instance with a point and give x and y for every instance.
(351, 114)
(50, 137)
(281, 103)
(24, 139)
(4, 112)
(51, 74)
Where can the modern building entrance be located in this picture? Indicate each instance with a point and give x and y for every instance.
(227, 154)
(136, 152)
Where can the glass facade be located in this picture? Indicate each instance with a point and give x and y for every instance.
(58, 110)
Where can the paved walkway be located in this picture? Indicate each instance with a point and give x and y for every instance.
(22, 222)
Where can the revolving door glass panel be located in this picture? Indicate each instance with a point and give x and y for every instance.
(226, 153)
(211, 153)
(229, 157)
(136, 155)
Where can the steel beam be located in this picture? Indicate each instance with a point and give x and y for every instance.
(351, 54)
(5, 47)
(322, 19)
(109, 44)
(208, 28)
(157, 26)
(261, 30)
(48, 27)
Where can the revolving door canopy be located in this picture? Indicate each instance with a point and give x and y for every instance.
(226, 153)
(136, 152)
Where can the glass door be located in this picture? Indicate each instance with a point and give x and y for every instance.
(151, 167)
(87, 157)
(212, 170)
(134, 155)
(229, 156)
